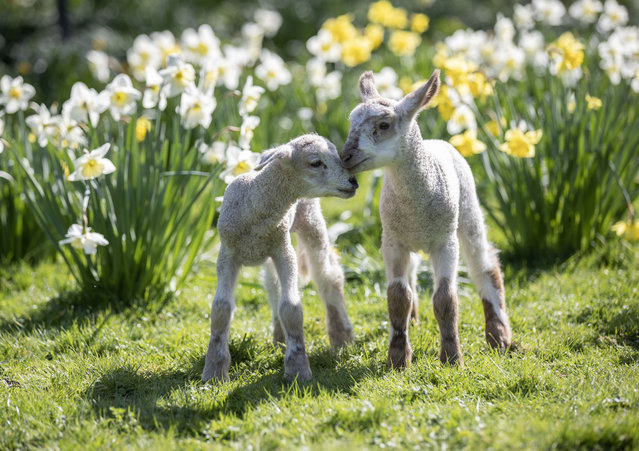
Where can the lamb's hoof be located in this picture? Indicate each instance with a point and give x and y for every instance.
(400, 354)
(498, 335)
(297, 366)
(450, 353)
(217, 373)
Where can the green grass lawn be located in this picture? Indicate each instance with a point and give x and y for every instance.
(76, 373)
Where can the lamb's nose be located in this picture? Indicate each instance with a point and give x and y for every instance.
(347, 157)
(353, 182)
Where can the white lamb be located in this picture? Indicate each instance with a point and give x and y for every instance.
(428, 202)
(259, 211)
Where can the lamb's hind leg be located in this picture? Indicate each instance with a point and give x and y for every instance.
(483, 267)
(400, 303)
(272, 285)
(445, 303)
(291, 315)
(218, 357)
(413, 267)
(325, 270)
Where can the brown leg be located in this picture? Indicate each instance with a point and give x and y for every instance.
(399, 307)
(445, 305)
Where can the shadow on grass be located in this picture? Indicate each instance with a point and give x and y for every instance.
(77, 307)
(178, 401)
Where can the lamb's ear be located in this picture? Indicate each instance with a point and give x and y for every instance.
(367, 86)
(414, 102)
(282, 153)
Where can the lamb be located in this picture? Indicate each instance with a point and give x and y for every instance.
(428, 202)
(258, 212)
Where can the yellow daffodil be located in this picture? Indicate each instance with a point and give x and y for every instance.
(375, 35)
(142, 125)
(520, 143)
(443, 103)
(479, 86)
(384, 13)
(403, 43)
(356, 51)
(495, 128)
(593, 103)
(341, 28)
(569, 52)
(572, 103)
(419, 23)
(467, 143)
(627, 229)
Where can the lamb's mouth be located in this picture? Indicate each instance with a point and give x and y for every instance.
(358, 164)
(350, 192)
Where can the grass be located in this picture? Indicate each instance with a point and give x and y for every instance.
(76, 372)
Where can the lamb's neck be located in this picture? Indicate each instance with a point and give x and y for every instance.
(276, 191)
(412, 161)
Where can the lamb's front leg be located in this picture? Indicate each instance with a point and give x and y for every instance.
(445, 303)
(400, 303)
(291, 316)
(218, 357)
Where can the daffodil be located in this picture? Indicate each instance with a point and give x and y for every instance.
(153, 94)
(628, 229)
(85, 104)
(122, 96)
(272, 71)
(15, 94)
(386, 83)
(215, 153)
(467, 143)
(143, 54)
(42, 125)
(238, 162)
(1, 130)
(177, 76)
(462, 118)
(356, 51)
(572, 103)
(341, 28)
(269, 20)
(567, 53)
(324, 46)
(593, 103)
(585, 10)
(92, 164)
(419, 23)
(521, 143)
(249, 124)
(196, 108)
(142, 126)
(403, 43)
(494, 127)
(201, 44)
(614, 15)
(329, 87)
(384, 13)
(250, 96)
(99, 65)
(375, 35)
(83, 238)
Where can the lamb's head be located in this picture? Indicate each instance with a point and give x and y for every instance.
(313, 164)
(378, 124)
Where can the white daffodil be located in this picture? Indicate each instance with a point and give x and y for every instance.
(549, 11)
(534, 47)
(253, 36)
(99, 65)
(249, 124)
(614, 15)
(504, 29)
(85, 104)
(462, 119)
(270, 21)
(153, 95)
(122, 96)
(250, 96)
(585, 10)
(323, 46)
(634, 84)
(524, 17)
(92, 164)
(15, 94)
(42, 125)
(238, 162)
(166, 44)
(68, 132)
(196, 108)
(144, 53)
(272, 71)
(177, 76)
(1, 130)
(214, 153)
(386, 82)
(330, 86)
(315, 71)
(200, 45)
(83, 239)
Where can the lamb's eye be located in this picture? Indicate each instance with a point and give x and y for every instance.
(316, 163)
(384, 125)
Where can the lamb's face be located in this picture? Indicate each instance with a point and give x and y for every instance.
(374, 135)
(316, 161)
